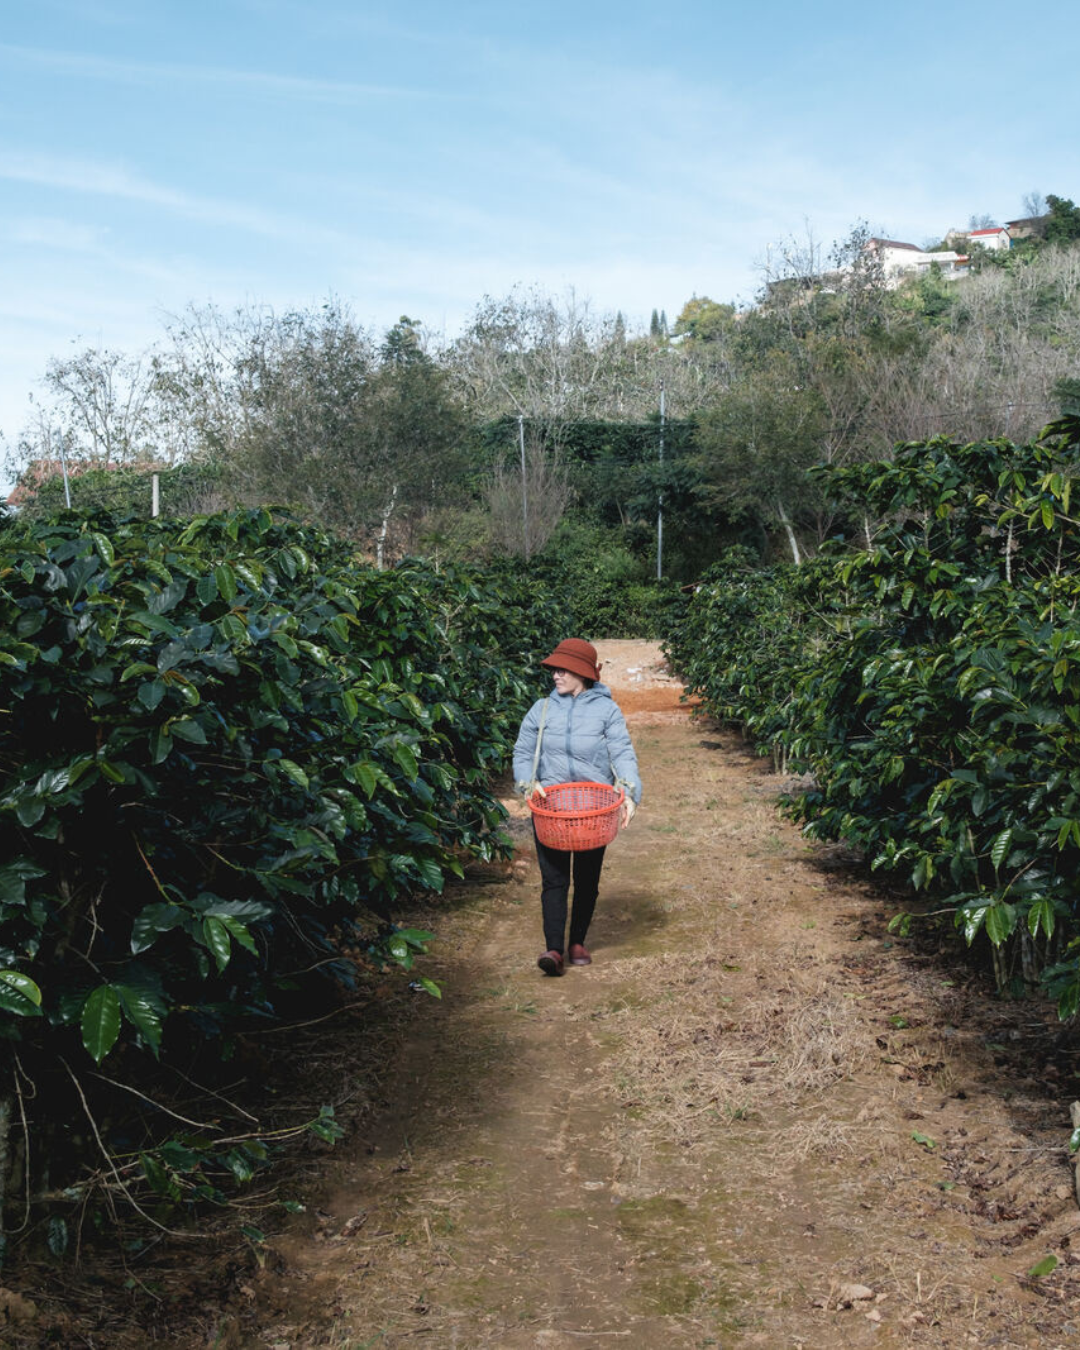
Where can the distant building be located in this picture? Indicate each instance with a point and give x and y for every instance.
(1027, 227)
(900, 260)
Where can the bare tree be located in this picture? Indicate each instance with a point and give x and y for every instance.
(1034, 205)
(101, 403)
(524, 507)
(556, 361)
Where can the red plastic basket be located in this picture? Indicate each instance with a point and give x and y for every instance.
(577, 816)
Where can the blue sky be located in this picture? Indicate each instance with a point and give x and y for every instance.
(411, 158)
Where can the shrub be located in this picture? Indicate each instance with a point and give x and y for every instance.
(929, 685)
(222, 744)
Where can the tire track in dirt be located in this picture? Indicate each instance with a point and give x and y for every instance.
(705, 1139)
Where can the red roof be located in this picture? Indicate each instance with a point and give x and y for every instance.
(994, 229)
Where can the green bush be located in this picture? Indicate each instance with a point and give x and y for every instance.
(930, 685)
(222, 746)
(184, 490)
(606, 589)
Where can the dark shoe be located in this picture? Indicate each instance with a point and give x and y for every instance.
(579, 956)
(551, 963)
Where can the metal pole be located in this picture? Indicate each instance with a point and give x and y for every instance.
(660, 504)
(524, 486)
(63, 466)
(155, 497)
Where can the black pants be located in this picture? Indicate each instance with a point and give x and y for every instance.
(555, 868)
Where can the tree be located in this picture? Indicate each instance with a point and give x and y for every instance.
(753, 452)
(100, 405)
(861, 280)
(526, 502)
(703, 320)
(1034, 205)
(307, 410)
(1063, 227)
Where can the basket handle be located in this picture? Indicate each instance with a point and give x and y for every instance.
(539, 738)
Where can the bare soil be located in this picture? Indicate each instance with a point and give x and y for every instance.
(756, 1120)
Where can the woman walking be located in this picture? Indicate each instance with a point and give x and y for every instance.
(575, 735)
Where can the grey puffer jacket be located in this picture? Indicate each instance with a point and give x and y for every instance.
(585, 740)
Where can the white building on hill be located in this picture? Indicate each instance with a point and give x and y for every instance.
(900, 260)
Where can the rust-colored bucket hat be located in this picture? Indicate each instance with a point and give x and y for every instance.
(575, 655)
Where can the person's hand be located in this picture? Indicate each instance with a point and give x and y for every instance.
(628, 809)
(530, 789)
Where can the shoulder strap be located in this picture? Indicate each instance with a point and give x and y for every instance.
(539, 738)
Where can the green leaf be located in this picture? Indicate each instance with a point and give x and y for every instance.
(19, 994)
(160, 1179)
(239, 932)
(206, 588)
(217, 939)
(1044, 1267)
(1000, 921)
(1041, 915)
(106, 552)
(293, 770)
(1068, 1004)
(239, 1164)
(415, 937)
(101, 1021)
(364, 775)
(406, 759)
(13, 879)
(925, 1140)
(150, 694)
(160, 745)
(430, 874)
(29, 811)
(226, 582)
(57, 1235)
(151, 922)
(137, 668)
(430, 987)
(142, 1011)
(1074, 1140)
(188, 730)
(326, 1127)
(1000, 848)
(974, 919)
(400, 950)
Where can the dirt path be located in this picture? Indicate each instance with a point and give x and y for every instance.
(756, 1120)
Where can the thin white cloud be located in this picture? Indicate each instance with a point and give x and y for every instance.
(49, 233)
(100, 178)
(153, 73)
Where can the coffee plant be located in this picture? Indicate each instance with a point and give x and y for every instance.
(929, 685)
(228, 752)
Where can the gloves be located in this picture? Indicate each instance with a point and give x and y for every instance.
(530, 789)
(628, 810)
